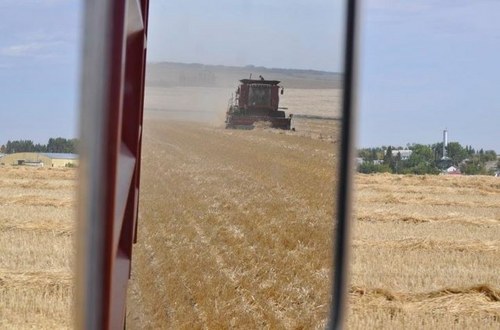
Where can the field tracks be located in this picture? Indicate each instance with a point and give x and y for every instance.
(467, 300)
(415, 218)
(432, 244)
(63, 228)
(23, 279)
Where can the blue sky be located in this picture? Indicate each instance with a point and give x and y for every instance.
(425, 65)
(39, 58)
(430, 65)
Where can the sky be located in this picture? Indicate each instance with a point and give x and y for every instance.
(39, 69)
(280, 33)
(425, 65)
(40, 43)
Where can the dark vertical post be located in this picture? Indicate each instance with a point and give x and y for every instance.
(345, 178)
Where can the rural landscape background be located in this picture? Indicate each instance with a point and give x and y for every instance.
(235, 226)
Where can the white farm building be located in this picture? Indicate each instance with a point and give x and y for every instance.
(39, 159)
(405, 153)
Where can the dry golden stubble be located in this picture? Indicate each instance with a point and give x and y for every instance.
(218, 225)
(36, 248)
(33, 173)
(462, 301)
(36, 200)
(431, 244)
(421, 236)
(248, 248)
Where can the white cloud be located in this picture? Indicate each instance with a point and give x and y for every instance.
(34, 49)
(34, 2)
(21, 50)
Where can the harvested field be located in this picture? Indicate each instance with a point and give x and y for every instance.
(235, 228)
(235, 232)
(426, 252)
(228, 219)
(36, 247)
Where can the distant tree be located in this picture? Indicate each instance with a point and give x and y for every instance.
(470, 151)
(40, 147)
(57, 145)
(456, 152)
(488, 156)
(473, 167)
(369, 154)
(61, 145)
(365, 154)
(74, 146)
(421, 161)
(397, 163)
(19, 146)
(388, 156)
(437, 149)
(428, 159)
(53, 145)
(420, 154)
(370, 167)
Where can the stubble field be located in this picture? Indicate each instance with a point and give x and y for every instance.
(426, 252)
(235, 232)
(36, 247)
(236, 225)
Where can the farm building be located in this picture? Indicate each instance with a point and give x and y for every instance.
(452, 170)
(405, 154)
(40, 159)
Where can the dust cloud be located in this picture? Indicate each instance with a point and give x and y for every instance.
(201, 93)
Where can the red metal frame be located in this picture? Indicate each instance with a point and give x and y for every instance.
(113, 168)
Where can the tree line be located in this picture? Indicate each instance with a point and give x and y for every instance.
(55, 145)
(427, 159)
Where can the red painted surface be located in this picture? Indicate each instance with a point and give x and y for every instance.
(243, 93)
(123, 142)
(243, 96)
(256, 100)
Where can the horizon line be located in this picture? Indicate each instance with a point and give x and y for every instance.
(246, 66)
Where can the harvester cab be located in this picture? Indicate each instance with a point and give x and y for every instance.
(254, 101)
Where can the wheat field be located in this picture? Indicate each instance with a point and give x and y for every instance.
(36, 247)
(227, 227)
(235, 232)
(426, 252)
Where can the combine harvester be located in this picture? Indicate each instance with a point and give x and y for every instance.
(254, 101)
